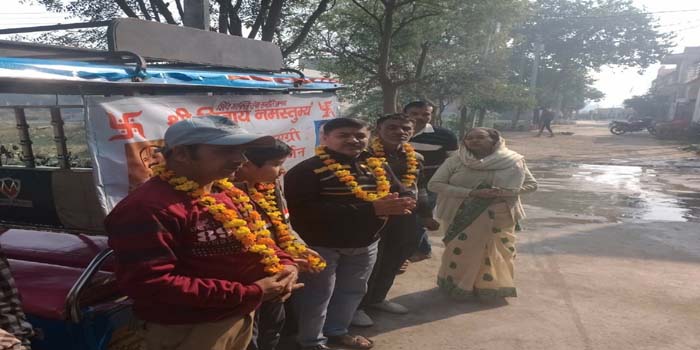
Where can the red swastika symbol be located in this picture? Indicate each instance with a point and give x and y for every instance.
(327, 108)
(126, 126)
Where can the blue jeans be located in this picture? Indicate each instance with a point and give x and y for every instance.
(424, 244)
(327, 302)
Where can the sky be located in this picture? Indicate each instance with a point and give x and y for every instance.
(617, 83)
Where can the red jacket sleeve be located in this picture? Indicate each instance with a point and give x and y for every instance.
(144, 244)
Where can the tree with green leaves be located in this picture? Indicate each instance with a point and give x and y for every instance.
(378, 44)
(650, 105)
(572, 38)
(413, 48)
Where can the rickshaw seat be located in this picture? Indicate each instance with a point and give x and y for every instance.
(70, 250)
(44, 287)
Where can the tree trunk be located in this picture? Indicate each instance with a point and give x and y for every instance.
(124, 6)
(259, 19)
(154, 8)
(223, 19)
(482, 115)
(462, 124)
(516, 118)
(390, 92)
(304, 32)
(144, 10)
(390, 97)
(273, 20)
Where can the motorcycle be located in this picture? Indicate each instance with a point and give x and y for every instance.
(619, 127)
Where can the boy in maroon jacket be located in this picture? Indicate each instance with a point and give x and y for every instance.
(193, 283)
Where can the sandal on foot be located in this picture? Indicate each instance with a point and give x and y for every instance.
(351, 341)
(403, 268)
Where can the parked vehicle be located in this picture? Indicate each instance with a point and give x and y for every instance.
(620, 127)
(51, 212)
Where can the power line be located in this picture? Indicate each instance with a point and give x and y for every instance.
(678, 24)
(622, 14)
(680, 30)
(29, 13)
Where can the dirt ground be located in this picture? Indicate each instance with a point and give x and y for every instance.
(592, 142)
(609, 258)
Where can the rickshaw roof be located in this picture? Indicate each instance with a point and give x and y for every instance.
(30, 75)
(136, 61)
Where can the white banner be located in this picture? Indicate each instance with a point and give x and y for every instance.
(124, 132)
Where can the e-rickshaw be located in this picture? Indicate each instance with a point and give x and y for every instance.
(50, 213)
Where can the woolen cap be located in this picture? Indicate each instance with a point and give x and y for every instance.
(212, 130)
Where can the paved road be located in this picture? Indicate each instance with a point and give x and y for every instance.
(610, 258)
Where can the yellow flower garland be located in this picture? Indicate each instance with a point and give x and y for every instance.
(375, 165)
(250, 230)
(411, 175)
(264, 195)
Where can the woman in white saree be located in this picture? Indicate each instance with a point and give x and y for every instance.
(479, 208)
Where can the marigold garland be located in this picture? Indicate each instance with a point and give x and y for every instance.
(408, 179)
(376, 167)
(248, 228)
(264, 195)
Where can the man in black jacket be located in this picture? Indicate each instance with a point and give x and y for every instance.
(435, 144)
(339, 201)
(400, 238)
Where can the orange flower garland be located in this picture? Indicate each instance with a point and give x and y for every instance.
(250, 230)
(375, 165)
(411, 175)
(264, 195)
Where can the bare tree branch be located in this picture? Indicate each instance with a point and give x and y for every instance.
(272, 21)
(405, 2)
(410, 20)
(234, 20)
(421, 60)
(127, 9)
(330, 48)
(163, 9)
(369, 13)
(144, 10)
(180, 10)
(304, 32)
(154, 8)
(259, 19)
(420, 65)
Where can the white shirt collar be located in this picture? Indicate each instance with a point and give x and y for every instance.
(428, 129)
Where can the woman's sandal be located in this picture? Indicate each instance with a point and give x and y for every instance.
(351, 341)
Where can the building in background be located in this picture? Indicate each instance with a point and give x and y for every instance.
(681, 83)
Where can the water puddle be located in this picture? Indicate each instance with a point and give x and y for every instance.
(617, 193)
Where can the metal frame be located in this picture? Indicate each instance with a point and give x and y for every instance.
(24, 140)
(73, 298)
(59, 134)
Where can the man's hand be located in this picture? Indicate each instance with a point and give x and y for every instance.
(393, 205)
(292, 285)
(280, 285)
(430, 224)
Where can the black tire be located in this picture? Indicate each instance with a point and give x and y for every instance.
(652, 130)
(617, 130)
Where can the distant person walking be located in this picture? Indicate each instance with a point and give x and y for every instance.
(546, 122)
